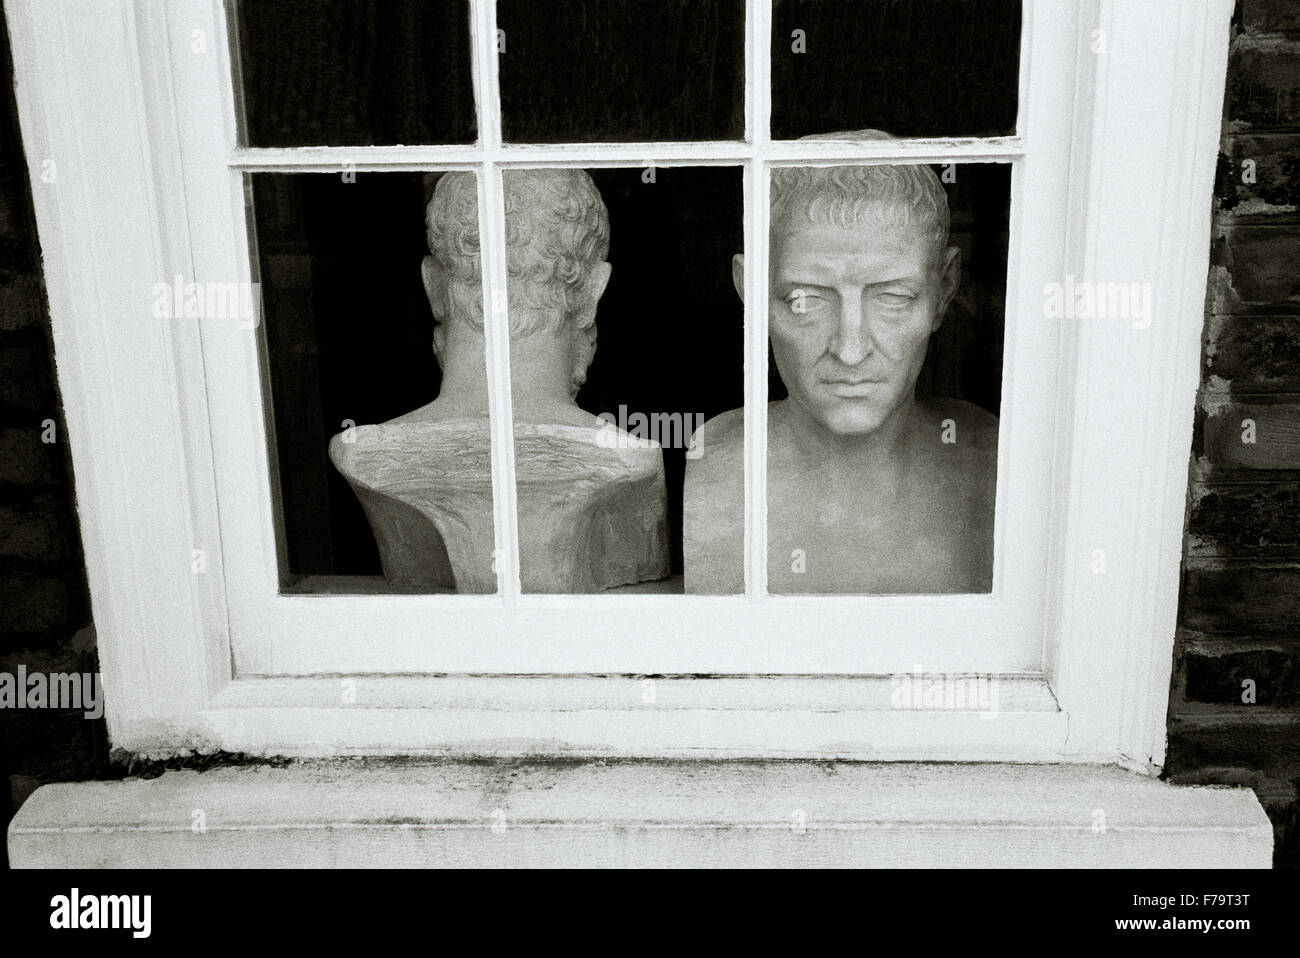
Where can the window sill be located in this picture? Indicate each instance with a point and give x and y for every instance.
(628, 813)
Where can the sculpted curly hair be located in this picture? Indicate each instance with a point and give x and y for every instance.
(557, 232)
(879, 197)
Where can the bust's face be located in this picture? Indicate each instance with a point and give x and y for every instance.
(850, 315)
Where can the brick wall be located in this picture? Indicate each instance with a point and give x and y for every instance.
(1239, 617)
(44, 606)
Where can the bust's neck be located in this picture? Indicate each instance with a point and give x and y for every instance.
(541, 371)
(881, 455)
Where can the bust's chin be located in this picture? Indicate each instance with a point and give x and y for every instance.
(848, 420)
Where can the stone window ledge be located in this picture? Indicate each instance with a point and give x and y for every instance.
(539, 812)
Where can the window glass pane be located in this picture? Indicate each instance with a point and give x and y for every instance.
(621, 70)
(626, 336)
(355, 72)
(378, 475)
(911, 67)
(885, 321)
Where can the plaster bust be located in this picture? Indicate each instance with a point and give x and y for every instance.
(592, 514)
(870, 491)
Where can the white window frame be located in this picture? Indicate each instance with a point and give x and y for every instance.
(275, 634)
(1115, 152)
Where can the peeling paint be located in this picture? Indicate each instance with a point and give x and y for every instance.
(1258, 207)
(1214, 401)
(1221, 296)
(1267, 42)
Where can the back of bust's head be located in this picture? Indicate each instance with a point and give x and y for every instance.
(557, 233)
(879, 197)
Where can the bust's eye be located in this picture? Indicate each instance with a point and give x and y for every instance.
(895, 298)
(804, 301)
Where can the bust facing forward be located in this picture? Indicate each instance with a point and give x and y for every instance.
(869, 490)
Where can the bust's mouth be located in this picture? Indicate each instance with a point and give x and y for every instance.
(853, 387)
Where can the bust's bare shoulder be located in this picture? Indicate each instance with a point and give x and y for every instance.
(718, 449)
(969, 427)
(713, 506)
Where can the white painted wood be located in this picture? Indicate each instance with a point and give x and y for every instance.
(1025, 693)
(902, 717)
(496, 321)
(170, 439)
(757, 190)
(641, 815)
(159, 639)
(1149, 166)
(202, 118)
(174, 256)
(643, 633)
(697, 153)
(753, 733)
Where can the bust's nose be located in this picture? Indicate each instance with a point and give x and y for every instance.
(851, 343)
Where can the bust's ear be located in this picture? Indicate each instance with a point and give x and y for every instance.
(435, 287)
(738, 274)
(584, 351)
(949, 281)
(584, 345)
(585, 316)
(598, 280)
(439, 342)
